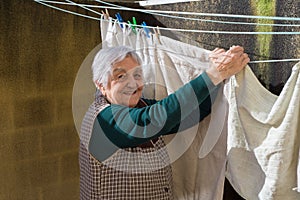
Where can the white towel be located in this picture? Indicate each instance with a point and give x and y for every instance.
(263, 137)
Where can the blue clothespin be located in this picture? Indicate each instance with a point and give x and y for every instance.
(147, 31)
(133, 24)
(120, 19)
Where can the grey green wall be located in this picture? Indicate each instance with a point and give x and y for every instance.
(259, 47)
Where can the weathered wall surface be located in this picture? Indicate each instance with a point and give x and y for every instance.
(40, 51)
(259, 47)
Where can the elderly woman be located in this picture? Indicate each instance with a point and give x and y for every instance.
(122, 154)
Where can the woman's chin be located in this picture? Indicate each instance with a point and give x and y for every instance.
(132, 102)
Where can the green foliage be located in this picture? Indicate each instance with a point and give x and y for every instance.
(264, 8)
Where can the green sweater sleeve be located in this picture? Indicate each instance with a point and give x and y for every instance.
(129, 127)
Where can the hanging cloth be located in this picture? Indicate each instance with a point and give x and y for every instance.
(263, 129)
(263, 137)
(167, 68)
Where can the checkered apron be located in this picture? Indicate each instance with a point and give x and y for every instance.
(129, 174)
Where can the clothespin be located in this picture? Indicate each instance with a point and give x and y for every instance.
(120, 19)
(157, 33)
(133, 24)
(158, 30)
(105, 14)
(147, 31)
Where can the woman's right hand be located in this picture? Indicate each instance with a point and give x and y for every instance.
(226, 63)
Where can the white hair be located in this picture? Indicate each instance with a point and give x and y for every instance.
(106, 58)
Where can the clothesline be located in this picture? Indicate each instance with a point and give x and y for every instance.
(167, 14)
(279, 60)
(162, 28)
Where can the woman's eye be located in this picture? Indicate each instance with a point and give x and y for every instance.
(138, 76)
(121, 77)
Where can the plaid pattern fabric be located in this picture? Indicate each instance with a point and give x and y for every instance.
(129, 174)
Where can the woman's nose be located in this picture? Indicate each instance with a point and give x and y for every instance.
(131, 81)
(134, 82)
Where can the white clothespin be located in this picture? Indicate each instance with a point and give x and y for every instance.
(157, 34)
(105, 14)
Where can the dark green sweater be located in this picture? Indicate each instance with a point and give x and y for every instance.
(119, 126)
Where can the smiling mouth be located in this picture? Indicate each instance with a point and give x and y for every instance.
(131, 93)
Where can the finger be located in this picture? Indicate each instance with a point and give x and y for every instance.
(215, 50)
(220, 57)
(217, 54)
(240, 63)
(246, 59)
(225, 63)
(236, 48)
(218, 50)
(237, 60)
(235, 54)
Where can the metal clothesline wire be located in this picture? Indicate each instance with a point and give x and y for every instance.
(167, 14)
(186, 13)
(187, 30)
(178, 29)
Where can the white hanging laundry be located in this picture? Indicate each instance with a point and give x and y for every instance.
(298, 175)
(263, 129)
(196, 177)
(263, 137)
(166, 69)
(298, 171)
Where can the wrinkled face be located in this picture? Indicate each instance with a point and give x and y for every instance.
(125, 84)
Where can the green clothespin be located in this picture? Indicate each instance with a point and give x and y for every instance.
(133, 24)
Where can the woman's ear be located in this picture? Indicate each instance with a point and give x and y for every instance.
(100, 87)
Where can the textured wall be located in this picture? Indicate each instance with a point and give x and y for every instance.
(259, 47)
(41, 51)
